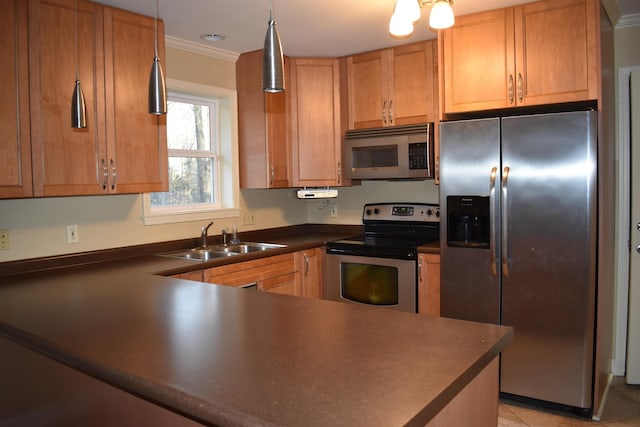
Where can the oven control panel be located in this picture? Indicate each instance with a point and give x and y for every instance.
(422, 212)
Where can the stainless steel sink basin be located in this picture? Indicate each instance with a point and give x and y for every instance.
(219, 251)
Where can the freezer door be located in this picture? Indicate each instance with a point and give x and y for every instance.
(469, 152)
(549, 239)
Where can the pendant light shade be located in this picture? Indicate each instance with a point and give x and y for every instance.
(157, 88)
(441, 15)
(78, 106)
(407, 12)
(272, 59)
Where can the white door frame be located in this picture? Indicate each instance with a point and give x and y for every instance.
(623, 159)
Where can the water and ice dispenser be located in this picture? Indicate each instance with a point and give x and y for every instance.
(468, 221)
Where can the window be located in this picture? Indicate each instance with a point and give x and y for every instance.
(202, 151)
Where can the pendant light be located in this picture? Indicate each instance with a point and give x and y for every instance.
(407, 12)
(157, 89)
(272, 59)
(78, 107)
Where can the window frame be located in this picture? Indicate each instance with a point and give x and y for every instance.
(226, 159)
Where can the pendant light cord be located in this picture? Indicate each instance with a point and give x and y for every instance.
(77, 48)
(155, 30)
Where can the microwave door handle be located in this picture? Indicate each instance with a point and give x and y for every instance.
(492, 221)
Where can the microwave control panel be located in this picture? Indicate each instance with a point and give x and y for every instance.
(418, 157)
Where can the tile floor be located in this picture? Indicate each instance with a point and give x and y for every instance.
(622, 409)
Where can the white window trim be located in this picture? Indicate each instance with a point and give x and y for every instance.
(230, 202)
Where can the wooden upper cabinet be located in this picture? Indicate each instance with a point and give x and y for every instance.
(479, 62)
(392, 87)
(136, 140)
(15, 148)
(123, 148)
(535, 54)
(263, 135)
(66, 161)
(315, 116)
(557, 53)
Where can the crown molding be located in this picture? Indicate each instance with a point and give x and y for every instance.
(201, 49)
(629, 20)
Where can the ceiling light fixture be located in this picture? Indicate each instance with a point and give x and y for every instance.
(272, 59)
(213, 37)
(157, 88)
(407, 12)
(78, 107)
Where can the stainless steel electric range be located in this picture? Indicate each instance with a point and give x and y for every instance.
(379, 268)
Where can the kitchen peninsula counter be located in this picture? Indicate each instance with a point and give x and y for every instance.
(122, 343)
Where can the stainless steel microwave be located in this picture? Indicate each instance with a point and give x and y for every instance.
(397, 152)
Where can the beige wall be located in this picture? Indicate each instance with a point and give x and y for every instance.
(627, 53)
(37, 227)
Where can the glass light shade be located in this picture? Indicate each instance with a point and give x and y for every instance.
(78, 108)
(441, 15)
(408, 10)
(157, 89)
(272, 60)
(400, 27)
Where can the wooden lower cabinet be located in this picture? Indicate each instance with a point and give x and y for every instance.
(429, 284)
(190, 275)
(310, 265)
(296, 273)
(275, 274)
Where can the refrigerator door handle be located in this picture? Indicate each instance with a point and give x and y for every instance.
(505, 220)
(492, 221)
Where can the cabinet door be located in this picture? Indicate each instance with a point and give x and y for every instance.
(66, 161)
(479, 62)
(263, 135)
(429, 284)
(190, 275)
(287, 284)
(15, 146)
(556, 51)
(368, 89)
(310, 266)
(137, 145)
(316, 130)
(412, 82)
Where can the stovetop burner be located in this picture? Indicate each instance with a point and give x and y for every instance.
(392, 230)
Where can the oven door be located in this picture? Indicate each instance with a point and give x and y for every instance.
(380, 282)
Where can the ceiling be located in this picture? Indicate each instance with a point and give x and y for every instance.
(306, 27)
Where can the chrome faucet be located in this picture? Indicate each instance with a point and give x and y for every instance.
(205, 232)
(224, 236)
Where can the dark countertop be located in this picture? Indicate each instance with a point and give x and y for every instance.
(232, 356)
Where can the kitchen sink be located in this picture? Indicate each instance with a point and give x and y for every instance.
(220, 251)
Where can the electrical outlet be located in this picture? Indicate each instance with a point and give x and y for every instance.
(72, 234)
(4, 239)
(333, 206)
(248, 218)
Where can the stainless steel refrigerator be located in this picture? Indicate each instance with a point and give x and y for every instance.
(518, 199)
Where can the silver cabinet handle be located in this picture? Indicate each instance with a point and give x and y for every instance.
(306, 264)
(105, 174)
(419, 268)
(520, 88)
(384, 112)
(510, 89)
(339, 173)
(114, 174)
(252, 285)
(390, 112)
(272, 174)
(505, 251)
(492, 220)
